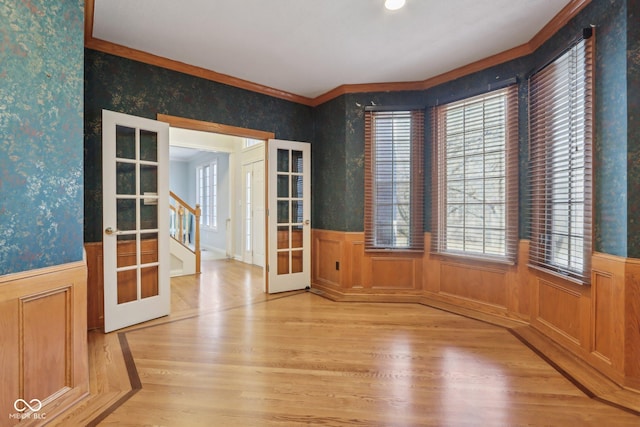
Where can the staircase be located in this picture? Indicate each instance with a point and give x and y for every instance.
(184, 229)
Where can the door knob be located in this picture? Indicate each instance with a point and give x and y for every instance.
(109, 231)
(306, 222)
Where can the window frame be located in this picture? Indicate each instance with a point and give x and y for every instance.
(209, 210)
(374, 225)
(441, 183)
(548, 95)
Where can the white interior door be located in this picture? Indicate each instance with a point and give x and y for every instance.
(289, 213)
(257, 198)
(253, 206)
(135, 176)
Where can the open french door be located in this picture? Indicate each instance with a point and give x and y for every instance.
(289, 213)
(135, 177)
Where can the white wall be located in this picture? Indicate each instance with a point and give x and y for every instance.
(179, 179)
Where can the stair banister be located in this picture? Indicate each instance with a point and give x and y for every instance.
(196, 212)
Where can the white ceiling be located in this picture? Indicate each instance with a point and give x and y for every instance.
(308, 47)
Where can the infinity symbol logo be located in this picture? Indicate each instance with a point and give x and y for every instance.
(34, 405)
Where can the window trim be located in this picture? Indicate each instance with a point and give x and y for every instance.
(511, 185)
(416, 199)
(212, 215)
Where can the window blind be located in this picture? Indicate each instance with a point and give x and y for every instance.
(475, 182)
(394, 180)
(560, 173)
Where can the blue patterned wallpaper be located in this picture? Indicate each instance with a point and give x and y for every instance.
(131, 87)
(633, 129)
(610, 148)
(329, 195)
(41, 127)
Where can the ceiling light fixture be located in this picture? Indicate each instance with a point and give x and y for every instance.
(394, 4)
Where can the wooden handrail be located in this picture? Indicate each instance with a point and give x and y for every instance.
(182, 202)
(196, 212)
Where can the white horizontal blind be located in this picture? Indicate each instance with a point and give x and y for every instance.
(476, 176)
(561, 164)
(394, 180)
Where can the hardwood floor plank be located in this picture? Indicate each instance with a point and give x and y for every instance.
(231, 355)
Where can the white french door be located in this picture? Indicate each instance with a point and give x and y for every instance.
(289, 213)
(135, 177)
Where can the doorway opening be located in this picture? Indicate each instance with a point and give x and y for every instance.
(222, 169)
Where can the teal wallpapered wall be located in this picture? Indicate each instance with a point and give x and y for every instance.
(610, 149)
(41, 127)
(329, 190)
(633, 128)
(131, 87)
(340, 130)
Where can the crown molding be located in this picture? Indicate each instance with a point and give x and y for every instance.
(170, 64)
(560, 20)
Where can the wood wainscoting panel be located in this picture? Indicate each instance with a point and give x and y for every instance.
(559, 310)
(632, 323)
(328, 260)
(395, 272)
(478, 283)
(518, 284)
(604, 334)
(95, 285)
(355, 257)
(607, 320)
(9, 360)
(43, 343)
(45, 328)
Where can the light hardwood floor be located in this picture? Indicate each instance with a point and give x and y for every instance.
(231, 355)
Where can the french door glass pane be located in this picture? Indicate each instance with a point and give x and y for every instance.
(296, 261)
(283, 262)
(149, 282)
(283, 186)
(148, 145)
(283, 237)
(148, 215)
(296, 187)
(125, 142)
(296, 161)
(126, 214)
(283, 160)
(125, 178)
(127, 286)
(283, 212)
(148, 179)
(126, 251)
